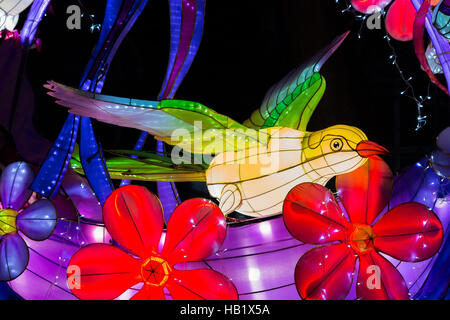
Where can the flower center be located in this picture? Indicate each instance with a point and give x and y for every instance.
(155, 271)
(361, 238)
(7, 221)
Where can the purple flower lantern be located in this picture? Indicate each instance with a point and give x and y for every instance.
(18, 217)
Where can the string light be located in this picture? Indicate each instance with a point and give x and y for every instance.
(409, 90)
(94, 26)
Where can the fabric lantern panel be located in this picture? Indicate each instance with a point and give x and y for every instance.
(7, 21)
(9, 12)
(14, 7)
(400, 20)
(369, 6)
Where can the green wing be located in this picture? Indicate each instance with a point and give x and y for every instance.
(148, 166)
(292, 101)
(189, 125)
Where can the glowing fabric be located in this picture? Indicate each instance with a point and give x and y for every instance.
(408, 232)
(256, 181)
(441, 157)
(7, 21)
(419, 48)
(34, 17)
(161, 118)
(441, 18)
(79, 223)
(433, 59)
(291, 102)
(36, 221)
(134, 218)
(248, 179)
(119, 18)
(145, 166)
(186, 28)
(440, 43)
(253, 169)
(369, 6)
(9, 12)
(249, 254)
(400, 20)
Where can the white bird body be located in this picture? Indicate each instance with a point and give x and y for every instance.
(256, 181)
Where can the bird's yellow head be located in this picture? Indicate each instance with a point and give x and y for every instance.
(338, 149)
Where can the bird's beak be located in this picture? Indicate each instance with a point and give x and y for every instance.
(368, 149)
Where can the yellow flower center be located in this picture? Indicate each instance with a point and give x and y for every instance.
(7, 221)
(361, 238)
(155, 271)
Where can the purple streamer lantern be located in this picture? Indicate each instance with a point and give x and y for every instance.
(440, 43)
(34, 17)
(186, 24)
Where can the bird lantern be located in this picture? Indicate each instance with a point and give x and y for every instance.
(253, 165)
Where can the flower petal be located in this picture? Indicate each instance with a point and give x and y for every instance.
(325, 272)
(378, 279)
(312, 215)
(14, 183)
(102, 272)
(369, 6)
(149, 292)
(201, 284)
(195, 230)
(366, 191)
(409, 232)
(134, 218)
(14, 256)
(38, 221)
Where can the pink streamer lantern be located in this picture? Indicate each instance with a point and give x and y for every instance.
(419, 30)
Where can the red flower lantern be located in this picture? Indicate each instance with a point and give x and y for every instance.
(408, 232)
(134, 218)
(400, 20)
(369, 6)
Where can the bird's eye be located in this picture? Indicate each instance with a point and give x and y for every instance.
(336, 144)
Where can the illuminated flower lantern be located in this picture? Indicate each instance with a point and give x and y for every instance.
(408, 232)
(400, 20)
(36, 221)
(79, 223)
(134, 218)
(369, 6)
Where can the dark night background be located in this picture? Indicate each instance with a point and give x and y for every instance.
(247, 47)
